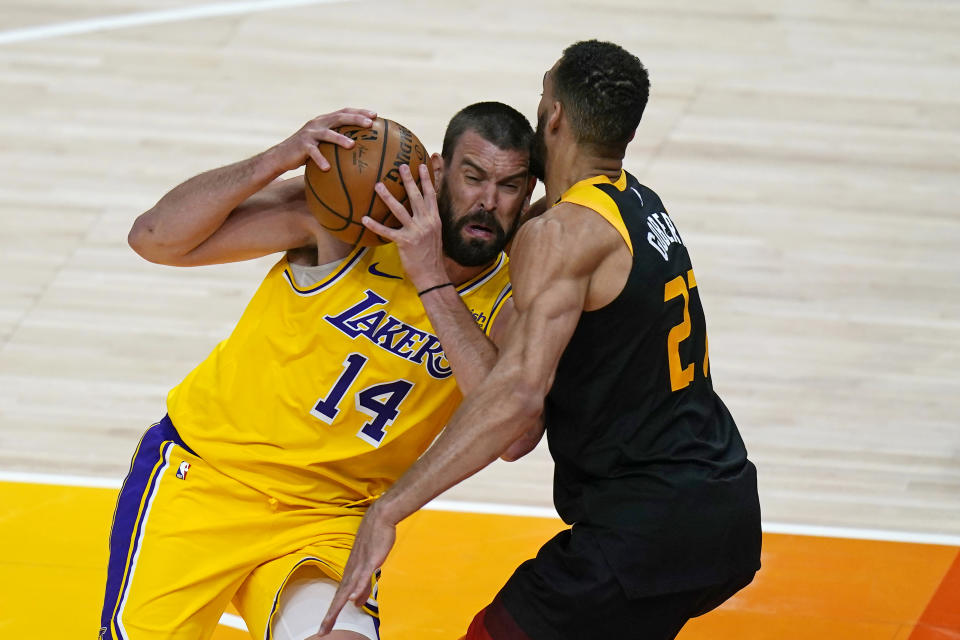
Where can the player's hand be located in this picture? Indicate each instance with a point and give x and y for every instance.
(419, 238)
(375, 538)
(295, 150)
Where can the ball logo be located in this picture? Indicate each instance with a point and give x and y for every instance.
(409, 146)
(360, 133)
(183, 469)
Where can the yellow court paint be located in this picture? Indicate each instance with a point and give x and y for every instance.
(53, 550)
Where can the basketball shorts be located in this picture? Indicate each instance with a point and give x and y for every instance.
(568, 592)
(186, 540)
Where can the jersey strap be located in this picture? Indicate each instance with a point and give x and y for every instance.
(587, 193)
(505, 294)
(484, 276)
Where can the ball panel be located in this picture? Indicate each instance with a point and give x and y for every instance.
(338, 166)
(325, 198)
(340, 197)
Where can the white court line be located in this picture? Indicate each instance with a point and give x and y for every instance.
(492, 508)
(107, 23)
(768, 527)
(538, 512)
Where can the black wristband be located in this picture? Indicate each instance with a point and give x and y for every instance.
(439, 286)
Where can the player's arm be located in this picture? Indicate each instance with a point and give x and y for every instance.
(238, 212)
(551, 275)
(532, 436)
(468, 350)
(470, 353)
(529, 212)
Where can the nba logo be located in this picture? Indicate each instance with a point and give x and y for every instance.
(182, 470)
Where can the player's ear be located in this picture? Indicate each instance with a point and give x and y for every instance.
(436, 163)
(555, 116)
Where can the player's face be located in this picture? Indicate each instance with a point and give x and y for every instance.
(538, 149)
(480, 198)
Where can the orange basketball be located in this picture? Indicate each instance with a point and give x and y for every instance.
(340, 197)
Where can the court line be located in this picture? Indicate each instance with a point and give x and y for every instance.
(494, 508)
(107, 23)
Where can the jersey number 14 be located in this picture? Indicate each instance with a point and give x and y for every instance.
(379, 401)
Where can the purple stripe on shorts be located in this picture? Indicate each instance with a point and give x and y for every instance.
(128, 517)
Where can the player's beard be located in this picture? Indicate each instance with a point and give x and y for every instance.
(538, 151)
(469, 252)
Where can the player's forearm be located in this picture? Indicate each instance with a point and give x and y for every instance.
(192, 211)
(483, 428)
(470, 353)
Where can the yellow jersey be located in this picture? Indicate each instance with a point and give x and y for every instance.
(324, 395)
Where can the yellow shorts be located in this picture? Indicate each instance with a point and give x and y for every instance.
(186, 540)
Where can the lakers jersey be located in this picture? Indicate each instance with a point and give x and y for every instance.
(323, 395)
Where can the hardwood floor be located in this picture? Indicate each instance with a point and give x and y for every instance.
(809, 153)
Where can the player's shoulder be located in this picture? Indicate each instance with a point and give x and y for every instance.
(570, 223)
(569, 236)
(561, 218)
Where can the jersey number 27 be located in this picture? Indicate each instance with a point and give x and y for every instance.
(681, 376)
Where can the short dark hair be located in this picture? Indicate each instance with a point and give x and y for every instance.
(604, 89)
(495, 122)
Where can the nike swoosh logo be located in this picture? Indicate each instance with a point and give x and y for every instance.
(373, 269)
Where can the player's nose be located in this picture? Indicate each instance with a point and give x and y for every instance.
(488, 197)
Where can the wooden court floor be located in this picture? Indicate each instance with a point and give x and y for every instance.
(447, 565)
(809, 152)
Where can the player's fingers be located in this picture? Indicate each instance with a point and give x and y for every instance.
(364, 112)
(361, 593)
(398, 210)
(329, 135)
(413, 191)
(318, 158)
(358, 119)
(426, 185)
(341, 118)
(391, 234)
(339, 600)
(426, 182)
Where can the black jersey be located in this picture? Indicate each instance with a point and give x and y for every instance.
(645, 451)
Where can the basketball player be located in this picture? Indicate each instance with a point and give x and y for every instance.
(609, 342)
(332, 383)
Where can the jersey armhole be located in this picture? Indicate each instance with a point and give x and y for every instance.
(505, 294)
(589, 196)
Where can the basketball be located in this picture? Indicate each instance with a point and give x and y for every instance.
(340, 197)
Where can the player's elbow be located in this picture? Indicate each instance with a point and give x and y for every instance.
(526, 401)
(512, 455)
(144, 239)
(520, 448)
(526, 424)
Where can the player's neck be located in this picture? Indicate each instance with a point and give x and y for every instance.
(460, 274)
(573, 163)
